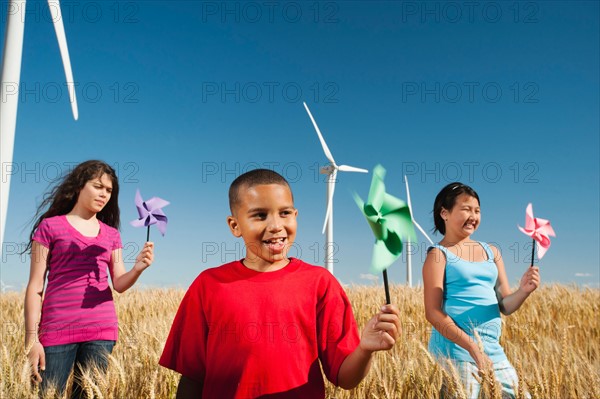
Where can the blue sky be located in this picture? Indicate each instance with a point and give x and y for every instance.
(182, 96)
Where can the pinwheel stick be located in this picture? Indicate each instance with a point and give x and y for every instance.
(532, 252)
(148, 234)
(387, 287)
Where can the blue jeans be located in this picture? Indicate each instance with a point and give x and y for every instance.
(61, 359)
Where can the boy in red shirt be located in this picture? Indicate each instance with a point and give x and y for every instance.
(264, 326)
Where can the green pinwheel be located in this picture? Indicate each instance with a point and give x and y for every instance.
(390, 220)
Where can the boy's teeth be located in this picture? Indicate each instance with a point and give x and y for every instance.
(276, 240)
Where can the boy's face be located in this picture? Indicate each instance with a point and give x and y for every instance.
(265, 218)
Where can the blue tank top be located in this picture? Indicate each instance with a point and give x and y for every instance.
(470, 300)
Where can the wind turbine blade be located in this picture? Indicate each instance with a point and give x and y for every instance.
(9, 91)
(408, 198)
(331, 180)
(346, 168)
(321, 139)
(411, 212)
(59, 27)
(422, 231)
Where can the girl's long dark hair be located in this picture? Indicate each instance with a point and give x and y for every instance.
(61, 199)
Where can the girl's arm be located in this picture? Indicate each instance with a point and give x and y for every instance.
(380, 333)
(433, 288)
(123, 280)
(511, 302)
(33, 308)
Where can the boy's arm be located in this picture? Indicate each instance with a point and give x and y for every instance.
(380, 333)
(188, 388)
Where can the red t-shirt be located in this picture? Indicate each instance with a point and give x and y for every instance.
(246, 334)
(78, 304)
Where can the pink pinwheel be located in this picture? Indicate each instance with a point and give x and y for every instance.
(539, 230)
(150, 213)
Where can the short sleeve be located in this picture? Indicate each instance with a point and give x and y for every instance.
(337, 332)
(117, 243)
(185, 349)
(43, 234)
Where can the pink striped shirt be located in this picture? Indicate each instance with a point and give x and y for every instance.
(78, 304)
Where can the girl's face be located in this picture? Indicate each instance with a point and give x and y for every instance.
(464, 217)
(95, 194)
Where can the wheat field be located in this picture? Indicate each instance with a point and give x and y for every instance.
(553, 341)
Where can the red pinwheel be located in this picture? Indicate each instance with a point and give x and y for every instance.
(150, 213)
(538, 229)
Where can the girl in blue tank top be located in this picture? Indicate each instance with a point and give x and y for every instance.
(465, 289)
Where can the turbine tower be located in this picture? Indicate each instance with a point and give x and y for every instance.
(9, 92)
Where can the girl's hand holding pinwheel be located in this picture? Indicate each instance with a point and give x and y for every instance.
(530, 280)
(145, 257)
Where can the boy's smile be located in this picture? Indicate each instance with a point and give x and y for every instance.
(266, 219)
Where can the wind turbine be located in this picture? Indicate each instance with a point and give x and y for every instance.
(408, 254)
(331, 171)
(9, 92)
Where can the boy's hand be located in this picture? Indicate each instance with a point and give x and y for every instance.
(382, 331)
(145, 257)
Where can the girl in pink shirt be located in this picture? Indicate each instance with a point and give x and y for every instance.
(76, 244)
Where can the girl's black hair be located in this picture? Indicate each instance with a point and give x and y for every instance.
(446, 200)
(61, 199)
